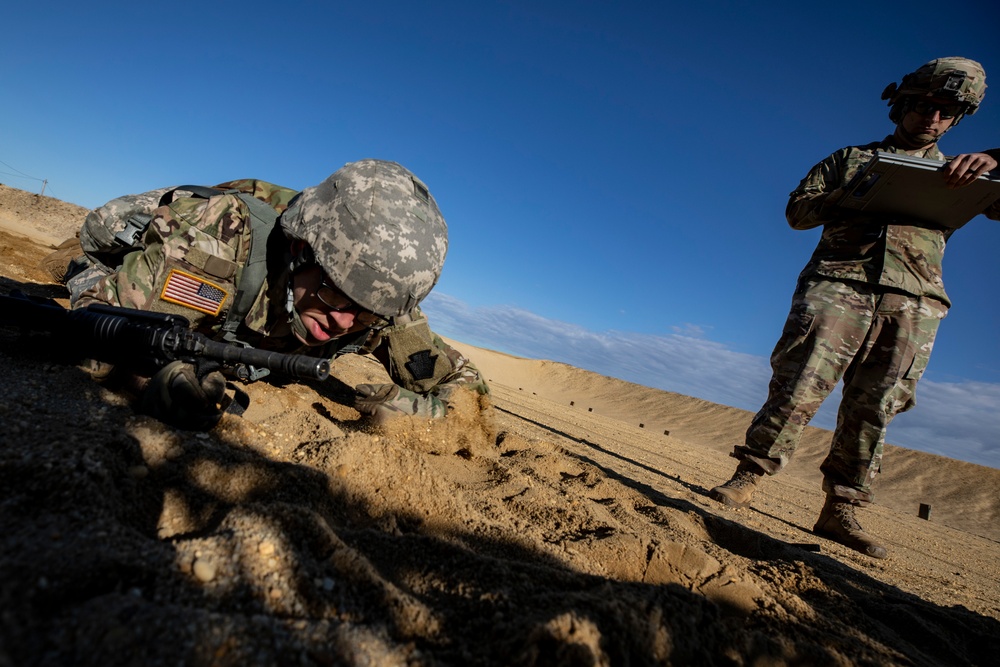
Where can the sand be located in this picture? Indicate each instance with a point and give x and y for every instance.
(564, 521)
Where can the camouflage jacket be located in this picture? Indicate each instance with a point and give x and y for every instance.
(195, 251)
(901, 254)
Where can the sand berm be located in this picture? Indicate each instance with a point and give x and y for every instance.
(564, 521)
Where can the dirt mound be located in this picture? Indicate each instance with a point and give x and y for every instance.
(42, 218)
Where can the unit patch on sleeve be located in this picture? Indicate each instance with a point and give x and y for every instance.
(421, 365)
(191, 291)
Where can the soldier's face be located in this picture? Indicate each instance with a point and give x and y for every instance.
(324, 319)
(923, 125)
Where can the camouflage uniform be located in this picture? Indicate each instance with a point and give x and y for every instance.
(866, 310)
(205, 244)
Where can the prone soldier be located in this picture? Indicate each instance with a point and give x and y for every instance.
(338, 268)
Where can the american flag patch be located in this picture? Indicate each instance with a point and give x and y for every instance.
(194, 292)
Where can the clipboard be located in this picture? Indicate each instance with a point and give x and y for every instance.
(913, 187)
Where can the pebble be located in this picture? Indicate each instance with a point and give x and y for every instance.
(266, 548)
(205, 569)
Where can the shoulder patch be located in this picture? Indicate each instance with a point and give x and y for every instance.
(421, 364)
(186, 289)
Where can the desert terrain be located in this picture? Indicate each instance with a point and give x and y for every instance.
(563, 521)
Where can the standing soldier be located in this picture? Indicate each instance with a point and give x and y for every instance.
(866, 307)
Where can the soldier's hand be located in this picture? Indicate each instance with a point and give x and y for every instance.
(966, 168)
(180, 396)
(383, 402)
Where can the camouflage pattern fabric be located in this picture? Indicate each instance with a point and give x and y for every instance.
(377, 231)
(209, 239)
(409, 356)
(866, 310)
(902, 254)
(463, 372)
(879, 342)
(954, 78)
(386, 401)
(206, 238)
(435, 369)
(97, 236)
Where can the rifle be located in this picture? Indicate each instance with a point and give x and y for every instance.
(147, 341)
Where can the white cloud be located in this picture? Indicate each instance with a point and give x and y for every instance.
(957, 420)
(690, 330)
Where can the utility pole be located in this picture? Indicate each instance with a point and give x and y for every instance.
(44, 183)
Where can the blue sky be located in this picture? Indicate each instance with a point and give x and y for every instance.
(614, 175)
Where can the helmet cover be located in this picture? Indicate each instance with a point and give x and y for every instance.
(952, 78)
(376, 231)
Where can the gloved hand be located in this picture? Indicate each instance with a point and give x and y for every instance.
(178, 396)
(383, 402)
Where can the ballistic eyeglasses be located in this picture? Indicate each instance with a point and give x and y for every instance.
(338, 302)
(947, 109)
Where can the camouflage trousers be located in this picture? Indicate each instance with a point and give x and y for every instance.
(878, 342)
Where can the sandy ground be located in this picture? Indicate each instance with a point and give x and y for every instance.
(563, 523)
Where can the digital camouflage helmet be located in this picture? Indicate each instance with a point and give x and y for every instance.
(953, 78)
(376, 231)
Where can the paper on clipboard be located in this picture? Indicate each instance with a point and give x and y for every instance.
(913, 187)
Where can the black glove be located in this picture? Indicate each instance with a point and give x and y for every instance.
(181, 396)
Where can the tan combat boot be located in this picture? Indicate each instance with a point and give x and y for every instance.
(837, 522)
(738, 491)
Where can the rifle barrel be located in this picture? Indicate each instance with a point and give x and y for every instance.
(126, 335)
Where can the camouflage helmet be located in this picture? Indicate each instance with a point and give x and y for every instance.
(376, 231)
(953, 78)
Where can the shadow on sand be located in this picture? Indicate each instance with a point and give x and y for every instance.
(126, 543)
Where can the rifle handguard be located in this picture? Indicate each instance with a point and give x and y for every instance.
(127, 335)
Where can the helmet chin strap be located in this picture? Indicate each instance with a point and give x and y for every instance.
(294, 319)
(298, 260)
(917, 141)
